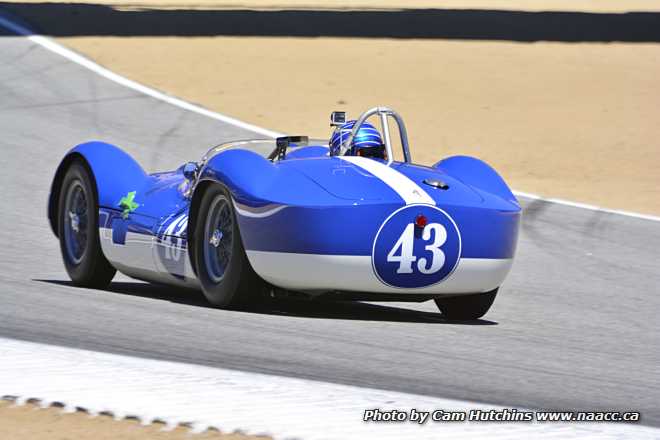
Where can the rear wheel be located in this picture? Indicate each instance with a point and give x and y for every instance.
(223, 269)
(466, 307)
(78, 230)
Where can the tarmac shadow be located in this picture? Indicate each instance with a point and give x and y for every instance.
(294, 307)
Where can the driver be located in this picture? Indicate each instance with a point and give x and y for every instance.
(366, 142)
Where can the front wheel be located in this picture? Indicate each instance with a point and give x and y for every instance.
(223, 269)
(466, 307)
(78, 230)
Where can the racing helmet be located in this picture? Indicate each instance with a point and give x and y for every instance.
(366, 142)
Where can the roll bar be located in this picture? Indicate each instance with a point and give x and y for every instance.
(384, 113)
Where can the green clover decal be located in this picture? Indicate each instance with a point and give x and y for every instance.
(128, 204)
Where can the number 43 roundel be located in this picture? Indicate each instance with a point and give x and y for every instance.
(408, 253)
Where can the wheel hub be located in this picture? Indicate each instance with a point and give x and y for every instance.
(75, 221)
(215, 238)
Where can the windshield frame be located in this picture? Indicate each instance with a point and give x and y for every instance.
(260, 146)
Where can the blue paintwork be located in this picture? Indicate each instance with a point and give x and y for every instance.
(351, 229)
(305, 152)
(115, 171)
(116, 174)
(330, 206)
(120, 226)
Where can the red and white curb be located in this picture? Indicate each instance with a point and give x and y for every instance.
(203, 397)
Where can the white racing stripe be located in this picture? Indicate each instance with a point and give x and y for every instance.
(245, 212)
(254, 403)
(408, 190)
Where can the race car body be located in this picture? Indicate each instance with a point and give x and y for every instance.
(304, 218)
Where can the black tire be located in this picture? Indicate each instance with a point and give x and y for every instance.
(78, 218)
(223, 269)
(466, 307)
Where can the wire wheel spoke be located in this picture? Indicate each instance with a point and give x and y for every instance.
(75, 222)
(218, 238)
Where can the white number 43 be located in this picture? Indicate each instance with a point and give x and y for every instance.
(405, 243)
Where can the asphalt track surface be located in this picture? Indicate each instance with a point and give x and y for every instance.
(575, 326)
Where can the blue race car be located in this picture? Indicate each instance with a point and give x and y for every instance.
(326, 219)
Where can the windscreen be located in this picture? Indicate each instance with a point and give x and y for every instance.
(260, 146)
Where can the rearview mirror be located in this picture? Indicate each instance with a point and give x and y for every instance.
(190, 170)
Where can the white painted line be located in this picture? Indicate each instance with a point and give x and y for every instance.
(586, 206)
(254, 403)
(51, 45)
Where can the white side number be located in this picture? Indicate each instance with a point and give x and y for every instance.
(405, 244)
(172, 241)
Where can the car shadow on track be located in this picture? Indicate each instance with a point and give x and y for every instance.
(302, 308)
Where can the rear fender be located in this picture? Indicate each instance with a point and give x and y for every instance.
(246, 174)
(114, 172)
(255, 181)
(478, 174)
